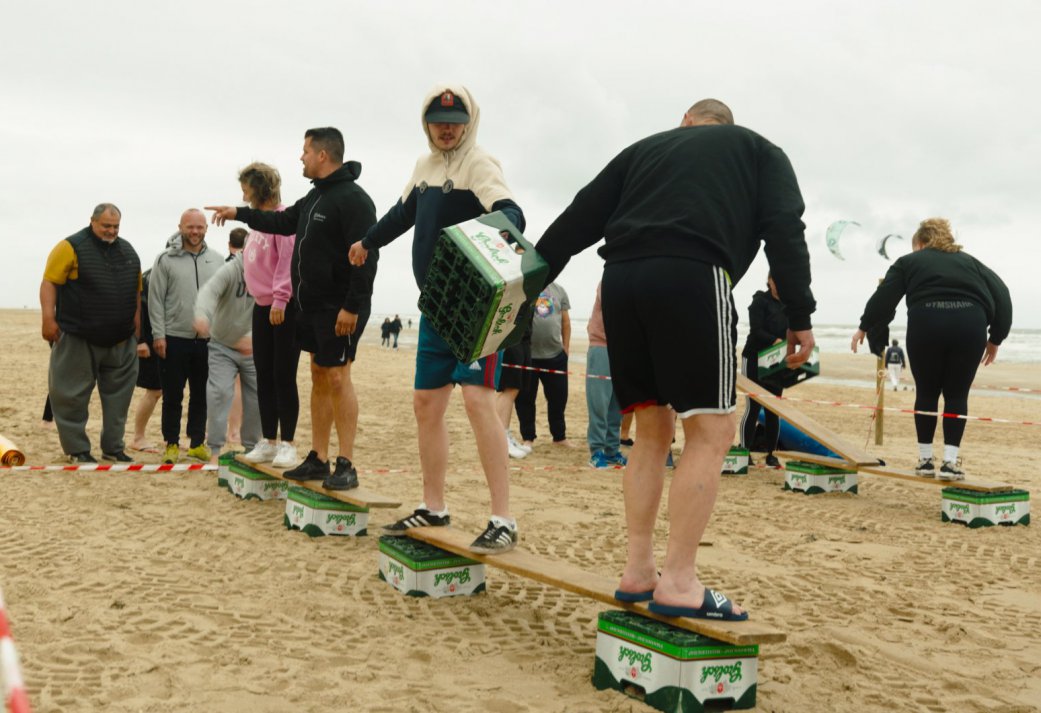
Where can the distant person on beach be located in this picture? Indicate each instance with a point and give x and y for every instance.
(90, 300)
(682, 214)
(767, 326)
(224, 314)
(456, 181)
(148, 377)
(951, 299)
(605, 416)
(177, 276)
(385, 333)
(334, 297)
(266, 261)
(395, 329)
(550, 345)
(895, 363)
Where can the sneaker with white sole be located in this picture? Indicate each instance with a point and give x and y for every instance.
(496, 539)
(421, 517)
(285, 456)
(513, 448)
(950, 471)
(599, 461)
(925, 468)
(263, 452)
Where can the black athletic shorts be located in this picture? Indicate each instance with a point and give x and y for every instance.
(512, 378)
(148, 373)
(671, 335)
(316, 333)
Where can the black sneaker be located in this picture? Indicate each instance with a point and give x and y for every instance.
(344, 477)
(950, 471)
(495, 539)
(626, 442)
(925, 468)
(771, 461)
(84, 457)
(420, 518)
(118, 457)
(310, 469)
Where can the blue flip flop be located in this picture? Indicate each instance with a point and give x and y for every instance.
(715, 606)
(633, 597)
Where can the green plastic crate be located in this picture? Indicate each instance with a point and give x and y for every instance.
(479, 292)
(773, 371)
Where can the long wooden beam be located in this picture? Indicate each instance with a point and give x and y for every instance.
(358, 496)
(572, 579)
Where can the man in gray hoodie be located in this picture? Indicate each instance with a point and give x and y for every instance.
(178, 274)
(224, 313)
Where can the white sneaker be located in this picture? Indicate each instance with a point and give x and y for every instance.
(286, 456)
(264, 451)
(515, 449)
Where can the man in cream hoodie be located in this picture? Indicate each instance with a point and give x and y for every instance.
(224, 313)
(178, 274)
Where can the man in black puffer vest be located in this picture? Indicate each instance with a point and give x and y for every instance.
(91, 303)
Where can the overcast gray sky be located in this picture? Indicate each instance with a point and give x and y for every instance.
(891, 112)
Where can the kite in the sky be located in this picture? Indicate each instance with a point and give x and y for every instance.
(833, 234)
(881, 245)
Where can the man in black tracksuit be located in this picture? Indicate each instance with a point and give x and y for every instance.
(334, 297)
(682, 214)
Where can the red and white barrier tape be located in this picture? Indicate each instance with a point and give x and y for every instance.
(11, 685)
(556, 371)
(899, 410)
(117, 468)
(1017, 389)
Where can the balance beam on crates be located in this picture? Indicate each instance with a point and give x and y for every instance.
(359, 496)
(594, 586)
(887, 472)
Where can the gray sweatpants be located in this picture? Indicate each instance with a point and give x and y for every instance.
(225, 363)
(76, 366)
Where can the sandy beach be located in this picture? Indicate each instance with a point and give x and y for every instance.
(138, 592)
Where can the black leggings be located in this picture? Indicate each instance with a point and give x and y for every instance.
(945, 342)
(555, 387)
(276, 355)
(750, 419)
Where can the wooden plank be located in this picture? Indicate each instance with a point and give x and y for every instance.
(587, 584)
(804, 423)
(888, 472)
(358, 496)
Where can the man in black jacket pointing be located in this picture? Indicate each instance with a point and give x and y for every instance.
(334, 296)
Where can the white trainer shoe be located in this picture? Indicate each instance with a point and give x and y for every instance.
(286, 456)
(515, 449)
(263, 452)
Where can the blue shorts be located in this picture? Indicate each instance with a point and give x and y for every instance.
(436, 365)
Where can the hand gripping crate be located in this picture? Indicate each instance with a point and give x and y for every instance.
(773, 371)
(480, 289)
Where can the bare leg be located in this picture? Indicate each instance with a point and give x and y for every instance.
(491, 446)
(504, 401)
(345, 408)
(321, 410)
(642, 487)
(145, 408)
(627, 422)
(430, 406)
(692, 496)
(235, 415)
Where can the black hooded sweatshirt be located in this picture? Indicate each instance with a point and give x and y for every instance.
(334, 214)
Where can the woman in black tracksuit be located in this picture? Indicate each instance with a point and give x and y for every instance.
(767, 325)
(951, 299)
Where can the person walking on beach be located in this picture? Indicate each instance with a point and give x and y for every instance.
(952, 298)
(395, 329)
(224, 314)
(456, 181)
(177, 276)
(385, 332)
(895, 363)
(682, 214)
(767, 326)
(550, 344)
(333, 296)
(276, 352)
(90, 300)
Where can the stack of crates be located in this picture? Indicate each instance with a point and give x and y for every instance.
(481, 286)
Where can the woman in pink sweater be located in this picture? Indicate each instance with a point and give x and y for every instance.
(266, 260)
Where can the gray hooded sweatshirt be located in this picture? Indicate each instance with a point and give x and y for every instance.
(226, 304)
(177, 276)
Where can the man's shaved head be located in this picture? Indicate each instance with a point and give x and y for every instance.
(708, 111)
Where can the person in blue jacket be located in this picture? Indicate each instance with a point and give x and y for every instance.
(455, 182)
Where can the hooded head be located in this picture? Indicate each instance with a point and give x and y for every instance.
(450, 118)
